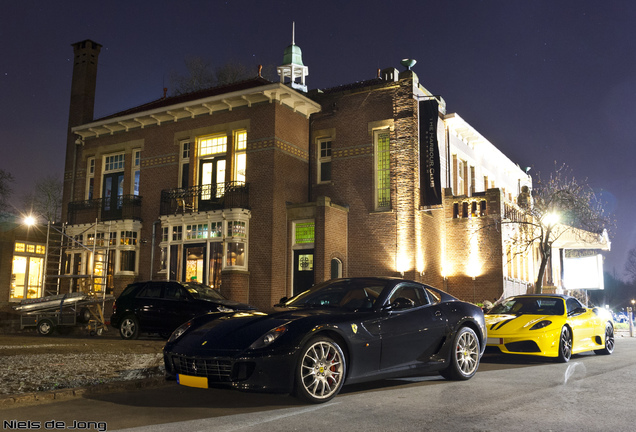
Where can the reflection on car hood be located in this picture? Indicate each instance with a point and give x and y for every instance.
(227, 303)
(238, 330)
(508, 324)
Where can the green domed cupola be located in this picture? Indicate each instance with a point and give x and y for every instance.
(293, 55)
(293, 67)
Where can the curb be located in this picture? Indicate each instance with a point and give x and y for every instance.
(8, 401)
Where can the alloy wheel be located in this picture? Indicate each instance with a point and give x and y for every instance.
(467, 353)
(322, 370)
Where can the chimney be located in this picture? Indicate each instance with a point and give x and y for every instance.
(83, 83)
(80, 112)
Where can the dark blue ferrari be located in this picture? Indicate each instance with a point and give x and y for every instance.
(341, 331)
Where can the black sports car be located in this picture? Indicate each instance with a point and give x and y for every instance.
(343, 330)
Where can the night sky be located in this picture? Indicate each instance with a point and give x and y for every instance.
(544, 81)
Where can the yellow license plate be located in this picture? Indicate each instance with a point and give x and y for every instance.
(192, 381)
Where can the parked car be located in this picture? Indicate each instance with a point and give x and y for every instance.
(341, 331)
(621, 317)
(162, 306)
(549, 325)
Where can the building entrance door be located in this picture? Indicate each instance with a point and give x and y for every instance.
(194, 263)
(303, 270)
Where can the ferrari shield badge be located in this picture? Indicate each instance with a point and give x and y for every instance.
(354, 327)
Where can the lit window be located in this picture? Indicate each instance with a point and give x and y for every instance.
(212, 145)
(236, 229)
(199, 231)
(128, 238)
(382, 171)
(216, 229)
(235, 254)
(324, 161)
(306, 262)
(304, 233)
(20, 247)
(240, 157)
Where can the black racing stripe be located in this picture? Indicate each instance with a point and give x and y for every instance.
(501, 324)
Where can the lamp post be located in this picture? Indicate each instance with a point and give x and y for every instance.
(630, 317)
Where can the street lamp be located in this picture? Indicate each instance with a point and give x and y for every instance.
(551, 219)
(631, 319)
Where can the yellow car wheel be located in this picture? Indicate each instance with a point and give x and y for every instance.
(565, 345)
(609, 341)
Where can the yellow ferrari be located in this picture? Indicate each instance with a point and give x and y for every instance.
(549, 325)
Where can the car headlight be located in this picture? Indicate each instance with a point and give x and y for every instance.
(269, 337)
(179, 331)
(541, 324)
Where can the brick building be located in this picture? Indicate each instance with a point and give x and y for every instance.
(263, 188)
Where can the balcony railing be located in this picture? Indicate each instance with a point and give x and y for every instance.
(105, 209)
(204, 198)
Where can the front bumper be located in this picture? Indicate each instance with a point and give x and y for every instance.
(266, 372)
(540, 343)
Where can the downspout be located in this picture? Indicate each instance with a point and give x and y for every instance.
(152, 251)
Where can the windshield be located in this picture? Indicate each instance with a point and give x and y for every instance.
(200, 291)
(346, 294)
(529, 305)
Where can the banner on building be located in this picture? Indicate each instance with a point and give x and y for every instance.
(430, 171)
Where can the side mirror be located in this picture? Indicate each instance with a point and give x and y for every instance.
(577, 311)
(281, 302)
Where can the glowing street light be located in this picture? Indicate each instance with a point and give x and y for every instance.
(30, 220)
(551, 219)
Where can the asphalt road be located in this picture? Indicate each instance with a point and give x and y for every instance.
(590, 393)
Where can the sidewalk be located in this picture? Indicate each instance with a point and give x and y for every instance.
(37, 369)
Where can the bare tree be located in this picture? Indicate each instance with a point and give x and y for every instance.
(6, 179)
(560, 204)
(46, 199)
(630, 265)
(202, 74)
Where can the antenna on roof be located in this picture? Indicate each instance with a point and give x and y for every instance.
(293, 32)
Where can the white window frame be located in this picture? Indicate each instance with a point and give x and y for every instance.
(240, 152)
(136, 168)
(324, 159)
(185, 148)
(105, 163)
(90, 177)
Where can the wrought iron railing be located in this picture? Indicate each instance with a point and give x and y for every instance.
(105, 209)
(205, 197)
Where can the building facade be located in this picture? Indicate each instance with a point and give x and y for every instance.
(262, 189)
